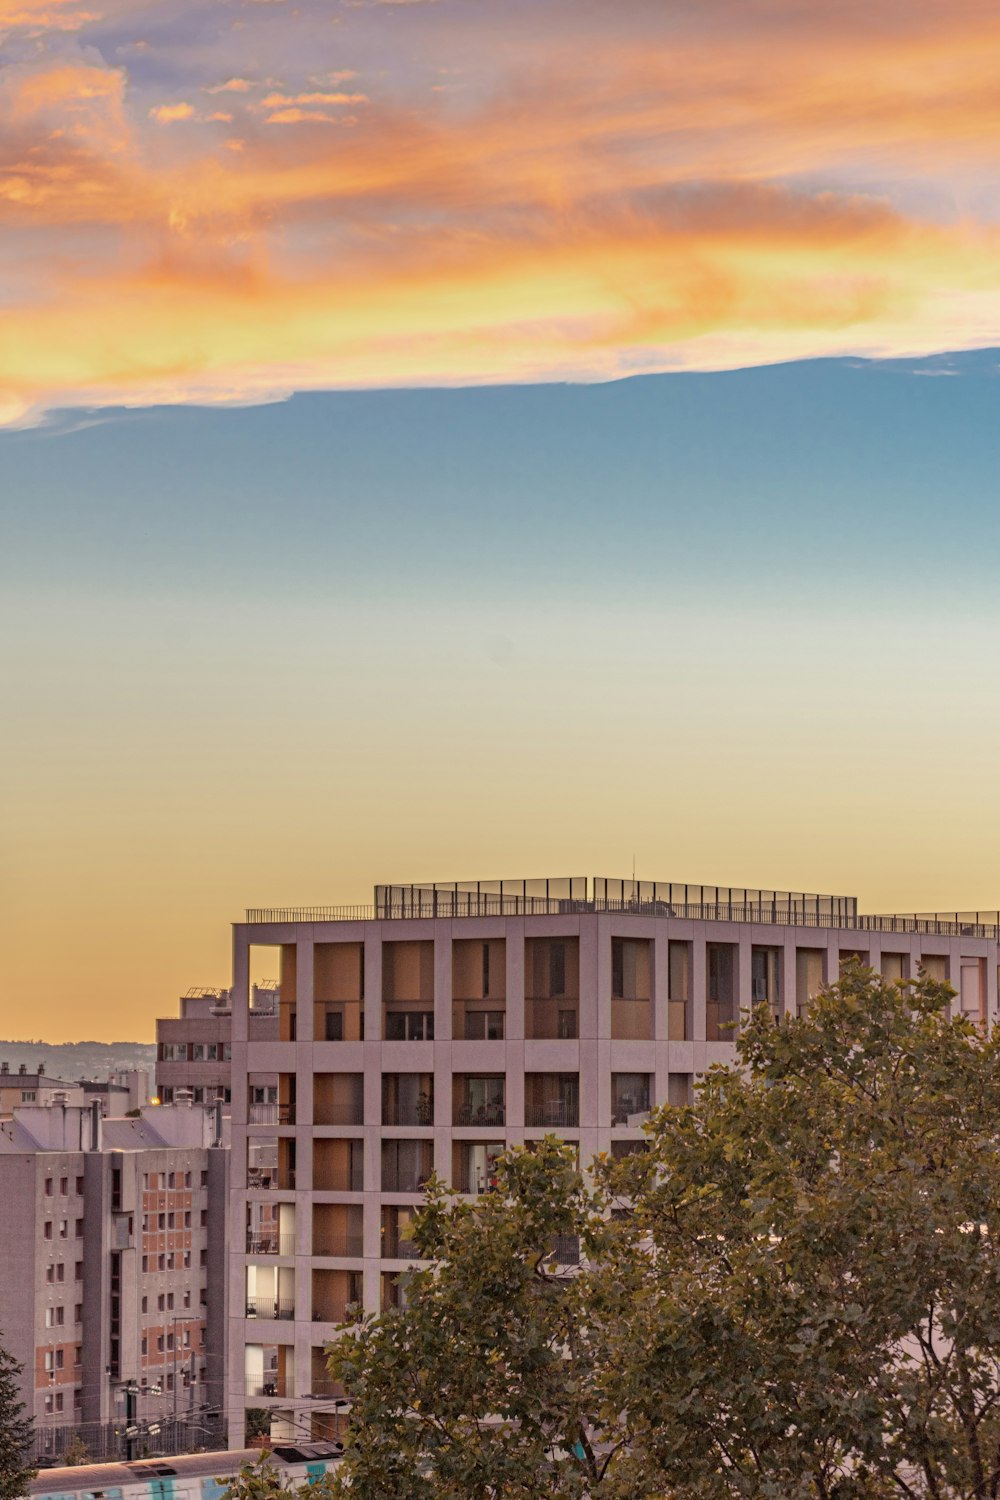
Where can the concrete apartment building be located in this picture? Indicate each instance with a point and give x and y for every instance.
(114, 1264)
(193, 1049)
(446, 1022)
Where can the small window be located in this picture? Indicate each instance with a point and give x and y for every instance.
(49, 1187)
(64, 1185)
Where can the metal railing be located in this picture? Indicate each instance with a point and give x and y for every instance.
(766, 913)
(262, 1242)
(480, 1116)
(552, 1112)
(270, 1384)
(271, 1114)
(280, 1308)
(272, 1179)
(395, 1248)
(347, 1245)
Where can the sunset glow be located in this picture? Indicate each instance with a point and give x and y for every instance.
(451, 193)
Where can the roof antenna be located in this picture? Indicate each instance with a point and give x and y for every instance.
(634, 891)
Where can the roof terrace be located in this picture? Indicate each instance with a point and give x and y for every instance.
(572, 894)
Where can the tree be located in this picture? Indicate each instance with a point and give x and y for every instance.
(76, 1453)
(15, 1433)
(793, 1294)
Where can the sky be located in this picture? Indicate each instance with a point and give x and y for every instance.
(446, 440)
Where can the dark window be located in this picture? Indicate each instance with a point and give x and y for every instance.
(557, 969)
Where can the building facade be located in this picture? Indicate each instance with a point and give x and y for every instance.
(194, 1048)
(20, 1089)
(113, 1292)
(448, 1022)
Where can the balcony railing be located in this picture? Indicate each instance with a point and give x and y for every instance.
(420, 1113)
(352, 1245)
(281, 1308)
(565, 1250)
(480, 1114)
(552, 1112)
(271, 1179)
(271, 1114)
(394, 1247)
(263, 1242)
(269, 1384)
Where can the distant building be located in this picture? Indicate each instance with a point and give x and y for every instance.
(24, 1088)
(194, 1049)
(124, 1090)
(114, 1271)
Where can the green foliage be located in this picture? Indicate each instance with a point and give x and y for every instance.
(796, 1298)
(77, 1452)
(258, 1423)
(15, 1433)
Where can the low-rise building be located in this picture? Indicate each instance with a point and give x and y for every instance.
(20, 1088)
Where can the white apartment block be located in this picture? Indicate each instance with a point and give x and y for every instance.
(114, 1261)
(445, 1023)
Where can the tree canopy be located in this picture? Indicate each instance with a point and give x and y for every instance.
(793, 1293)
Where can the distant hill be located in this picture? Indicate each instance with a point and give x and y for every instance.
(70, 1060)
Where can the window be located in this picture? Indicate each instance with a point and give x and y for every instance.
(187, 1179)
(187, 1298)
(79, 1229)
(145, 1262)
(161, 1302)
(145, 1304)
(144, 1347)
(78, 1351)
(64, 1229)
(48, 1187)
(78, 1315)
(187, 1260)
(187, 1218)
(61, 1271)
(47, 1230)
(64, 1185)
(27, 1096)
(79, 1187)
(204, 1179)
(50, 1273)
(78, 1271)
(170, 1301)
(204, 1217)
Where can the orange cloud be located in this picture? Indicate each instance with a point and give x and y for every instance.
(762, 183)
(168, 114)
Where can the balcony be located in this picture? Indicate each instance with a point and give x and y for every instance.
(397, 1229)
(630, 1093)
(338, 1165)
(338, 1229)
(551, 1099)
(565, 1250)
(263, 1242)
(474, 1166)
(406, 1165)
(479, 1100)
(279, 1308)
(270, 1179)
(407, 1099)
(269, 1384)
(271, 1114)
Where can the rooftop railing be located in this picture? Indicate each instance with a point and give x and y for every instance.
(769, 914)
